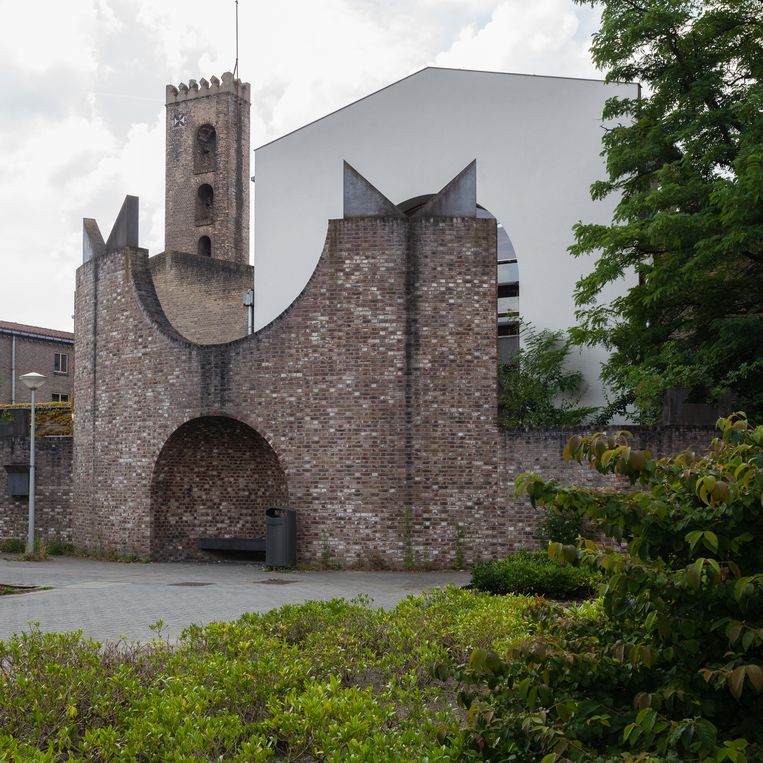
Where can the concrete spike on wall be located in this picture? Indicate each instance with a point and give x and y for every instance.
(457, 199)
(125, 229)
(93, 244)
(361, 199)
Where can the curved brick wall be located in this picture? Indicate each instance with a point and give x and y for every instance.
(214, 478)
(376, 389)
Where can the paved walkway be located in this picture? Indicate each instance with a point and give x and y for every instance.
(112, 600)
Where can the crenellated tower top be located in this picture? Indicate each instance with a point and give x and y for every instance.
(204, 88)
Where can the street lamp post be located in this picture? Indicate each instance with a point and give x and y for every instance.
(33, 381)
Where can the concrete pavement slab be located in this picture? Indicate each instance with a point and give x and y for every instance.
(112, 600)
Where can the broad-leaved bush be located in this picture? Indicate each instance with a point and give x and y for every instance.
(672, 668)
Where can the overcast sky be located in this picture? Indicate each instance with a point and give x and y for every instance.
(82, 108)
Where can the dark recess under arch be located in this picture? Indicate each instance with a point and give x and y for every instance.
(204, 247)
(205, 200)
(205, 149)
(214, 478)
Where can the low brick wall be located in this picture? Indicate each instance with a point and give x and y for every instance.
(540, 451)
(202, 297)
(53, 505)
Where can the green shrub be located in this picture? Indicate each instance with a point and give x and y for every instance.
(672, 668)
(12, 546)
(559, 526)
(536, 388)
(332, 681)
(532, 572)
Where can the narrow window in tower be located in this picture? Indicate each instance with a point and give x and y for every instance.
(205, 150)
(205, 198)
(205, 246)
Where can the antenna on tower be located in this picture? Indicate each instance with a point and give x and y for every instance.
(235, 67)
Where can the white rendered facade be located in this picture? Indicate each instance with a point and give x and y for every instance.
(537, 142)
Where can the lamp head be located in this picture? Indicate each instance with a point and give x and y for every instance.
(33, 380)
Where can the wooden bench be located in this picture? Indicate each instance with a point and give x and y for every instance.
(231, 544)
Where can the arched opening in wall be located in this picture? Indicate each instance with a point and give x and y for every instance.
(507, 296)
(204, 247)
(205, 199)
(205, 149)
(214, 478)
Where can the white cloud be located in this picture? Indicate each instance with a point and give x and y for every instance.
(83, 118)
(530, 38)
(42, 35)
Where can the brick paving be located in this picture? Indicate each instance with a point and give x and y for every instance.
(111, 600)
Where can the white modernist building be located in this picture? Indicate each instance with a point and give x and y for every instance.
(537, 143)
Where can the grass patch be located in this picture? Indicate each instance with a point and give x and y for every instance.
(18, 546)
(9, 590)
(333, 681)
(12, 546)
(55, 547)
(102, 555)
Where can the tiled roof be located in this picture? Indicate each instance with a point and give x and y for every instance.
(22, 329)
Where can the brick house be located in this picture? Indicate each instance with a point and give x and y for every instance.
(33, 348)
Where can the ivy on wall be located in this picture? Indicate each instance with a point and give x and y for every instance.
(51, 419)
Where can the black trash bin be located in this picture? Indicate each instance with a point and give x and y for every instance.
(281, 537)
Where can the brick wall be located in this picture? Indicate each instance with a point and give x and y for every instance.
(540, 451)
(453, 467)
(214, 478)
(53, 507)
(361, 383)
(34, 355)
(375, 391)
(202, 297)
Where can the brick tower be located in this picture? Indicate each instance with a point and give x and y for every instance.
(207, 172)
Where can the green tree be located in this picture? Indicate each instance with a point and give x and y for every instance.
(536, 387)
(686, 158)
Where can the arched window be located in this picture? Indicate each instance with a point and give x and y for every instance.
(205, 150)
(204, 247)
(205, 198)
